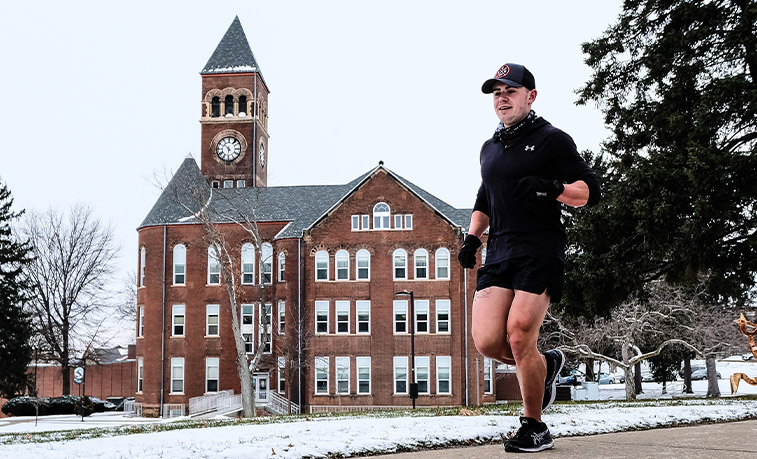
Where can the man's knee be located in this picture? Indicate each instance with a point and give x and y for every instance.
(491, 345)
(522, 340)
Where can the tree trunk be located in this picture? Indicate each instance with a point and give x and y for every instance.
(245, 380)
(628, 371)
(713, 390)
(589, 369)
(637, 378)
(65, 371)
(687, 389)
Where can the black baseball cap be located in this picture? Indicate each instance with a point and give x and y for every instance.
(511, 74)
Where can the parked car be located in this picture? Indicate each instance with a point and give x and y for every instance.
(571, 380)
(701, 373)
(605, 378)
(646, 376)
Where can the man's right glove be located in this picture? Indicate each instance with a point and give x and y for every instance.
(467, 255)
(533, 187)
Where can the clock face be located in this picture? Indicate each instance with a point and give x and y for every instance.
(228, 149)
(262, 154)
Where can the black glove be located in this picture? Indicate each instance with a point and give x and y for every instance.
(533, 187)
(467, 255)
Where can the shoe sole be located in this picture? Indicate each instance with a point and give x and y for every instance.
(515, 449)
(554, 381)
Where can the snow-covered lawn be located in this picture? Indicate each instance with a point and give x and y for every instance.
(111, 435)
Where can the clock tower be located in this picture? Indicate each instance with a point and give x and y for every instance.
(234, 115)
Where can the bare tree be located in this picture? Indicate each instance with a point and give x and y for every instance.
(74, 254)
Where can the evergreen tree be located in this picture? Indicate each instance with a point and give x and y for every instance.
(675, 80)
(15, 324)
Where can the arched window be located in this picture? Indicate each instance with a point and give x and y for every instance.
(322, 265)
(381, 216)
(228, 103)
(248, 264)
(342, 260)
(142, 259)
(242, 105)
(179, 264)
(214, 267)
(266, 255)
(400, 264)
(442, 264)
(363, 264)
(282, 266)
(215, 107)
(421, 264)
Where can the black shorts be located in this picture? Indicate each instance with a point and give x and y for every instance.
(530, 274)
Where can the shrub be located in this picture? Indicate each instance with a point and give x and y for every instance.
(62, 405)
(25, 406)
(84, 406)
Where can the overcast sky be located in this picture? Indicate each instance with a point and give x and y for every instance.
(100, 97)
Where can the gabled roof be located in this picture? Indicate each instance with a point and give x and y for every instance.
(302, 206)
(233, 54)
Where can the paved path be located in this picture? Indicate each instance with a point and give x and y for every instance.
(731, 440)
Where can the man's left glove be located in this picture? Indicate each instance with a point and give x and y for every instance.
(467, 255)
(533, 187)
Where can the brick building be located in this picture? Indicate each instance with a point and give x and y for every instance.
(333, 259)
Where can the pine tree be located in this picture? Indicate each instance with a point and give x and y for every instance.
(15, 324)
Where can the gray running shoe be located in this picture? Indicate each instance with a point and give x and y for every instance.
(533, 436)
(555, 361)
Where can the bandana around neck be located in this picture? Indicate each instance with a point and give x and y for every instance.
(503, 133)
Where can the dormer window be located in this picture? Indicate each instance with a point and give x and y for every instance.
(381, 216)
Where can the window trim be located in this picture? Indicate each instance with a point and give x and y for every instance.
(217, 366)
(395, 254)
(441, 251)
(174, 315)
(423, 253)
(341, 255)
(212, 255)
(337, 305)
(358, 366)
(142, 262)
(343, 360)
(358, 303)
(400, 359)
(324, 361)
(448, 359)
(141, 325)
(175, 361)
(207, 320)
(382, 217)
(419, 304)
(320, 257)
(281, 367)
(140, 374)
(448, 320)
(324, 305)
(281, 268)
(281, 317)
(180, 249)
(403, 304)
(248, 263)
(266, 253)
(419, 359)
(357, 265)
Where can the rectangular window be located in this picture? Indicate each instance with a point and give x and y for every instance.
(342, 261)
(140, 373)
(442, 316)
(400, 266)
(363, 365)
(321, 266)
(421, 316)
(178, 320)
(363, 312)
(400, 316)
(228, 183)
(211, 374)
(248, 327)
(422, 371)
(409, 221)
(214, 268)
(177, 375)
(421, 264)
(241, 184)
(211, 326)
(282, 317)
(398, 222)
(488, 367)
(355, 222)
(321, 316)
(321, 375)
(282, 267)
(400, 375)
(215, 184)
(141, 321)
(281, 386)
(249, 344)
(443, 375)
(342, 375)
(342, 316)
(266, 272)
(366, 222)
(264, 327)
(363, 260)
(142, 260)
(248, 265)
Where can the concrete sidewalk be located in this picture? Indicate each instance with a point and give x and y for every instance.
(731, 440)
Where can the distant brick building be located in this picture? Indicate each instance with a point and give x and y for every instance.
(334, 258)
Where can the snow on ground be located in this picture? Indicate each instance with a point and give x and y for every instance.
(351, 435)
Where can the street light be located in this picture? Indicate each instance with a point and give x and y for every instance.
(413, 383)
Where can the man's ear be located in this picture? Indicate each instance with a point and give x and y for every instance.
(531, 96)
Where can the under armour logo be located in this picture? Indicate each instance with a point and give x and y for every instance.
(530, 147)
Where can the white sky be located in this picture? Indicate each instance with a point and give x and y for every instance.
(99, 97)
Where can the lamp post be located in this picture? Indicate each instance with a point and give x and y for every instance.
(413, 383)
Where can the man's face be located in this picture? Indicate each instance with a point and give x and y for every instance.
(512, 104)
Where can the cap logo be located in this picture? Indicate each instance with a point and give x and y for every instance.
(503, 71)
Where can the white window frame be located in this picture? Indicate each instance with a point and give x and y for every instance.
(342, 365)
(399, 307)
(362, 306)
(423, 364)
(180, 264)
(355, 223)
(282, 267)
(281, 318)
(140, 374)
(266, 264)
(228, 183)
(212, 363)
(399, 254)
(322, 365)
(443, 255)
(400, 362)
(408, 221)
(442, 362)
(269, 315)
(178, 310)
(323, 307)
(248, 329)
(141, 328)
(423, 255)
(321, 266)
(342, 273)
(365, 222)
(241, 183)
(443, 306)
(142, 261)
(397, 221)
(342, 313)
(361, 256)
(212, 310)
(248, 264)
(488, 376)
(281, 380)
(214, 267)
(382, 214)
(422, 307)
(177, 377)
(363, 363)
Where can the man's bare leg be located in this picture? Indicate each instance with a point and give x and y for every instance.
(491, 307)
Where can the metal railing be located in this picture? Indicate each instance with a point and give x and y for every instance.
(210, 402)
(173, 410)
(132, 408)
(280, 405)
